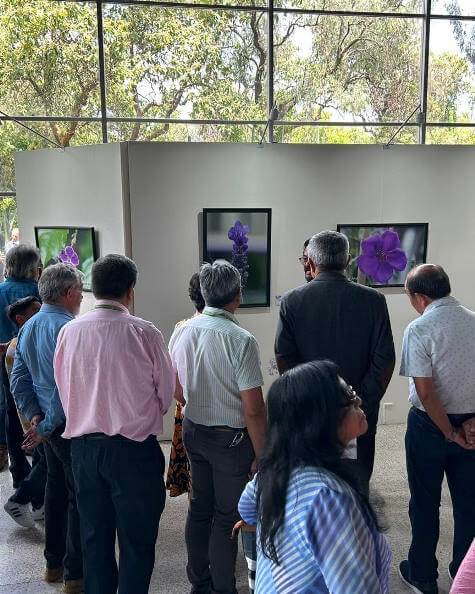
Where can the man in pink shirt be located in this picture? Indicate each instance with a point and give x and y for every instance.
(116, 383)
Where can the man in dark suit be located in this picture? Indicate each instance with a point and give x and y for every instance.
(334, 318)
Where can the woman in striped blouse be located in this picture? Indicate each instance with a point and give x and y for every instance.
(317, 533)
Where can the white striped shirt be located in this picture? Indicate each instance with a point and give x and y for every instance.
(215, 360)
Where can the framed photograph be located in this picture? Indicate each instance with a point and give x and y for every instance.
(72, 245)
(242, 236)
(382, 255)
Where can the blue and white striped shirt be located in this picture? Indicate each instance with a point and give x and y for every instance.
(328, 543)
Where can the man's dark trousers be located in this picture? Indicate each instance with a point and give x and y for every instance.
(120, 489)
(220, 462)
(62, 536)
(32, 488)
(428, 457)
(19, 465)
(366, 447)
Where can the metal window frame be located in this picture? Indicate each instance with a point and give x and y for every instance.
(270, 9)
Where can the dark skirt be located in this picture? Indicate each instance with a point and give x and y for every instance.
(178, 476)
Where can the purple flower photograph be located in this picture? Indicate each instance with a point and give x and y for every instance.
(382, 255)
(242, 237)
(71, 245)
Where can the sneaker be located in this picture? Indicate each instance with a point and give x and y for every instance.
(38, 513)
(417, 587)
(21, 514)
(3, 457)
(73, 586)
(451, 571)
(53, 575)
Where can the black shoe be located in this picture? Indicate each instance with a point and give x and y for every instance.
(417, 587)
(451, 571)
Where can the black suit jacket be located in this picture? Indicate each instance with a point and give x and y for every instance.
(336, 319)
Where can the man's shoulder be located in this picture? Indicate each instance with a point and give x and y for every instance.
(316, 288)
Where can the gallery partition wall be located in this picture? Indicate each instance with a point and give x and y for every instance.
(287, 71)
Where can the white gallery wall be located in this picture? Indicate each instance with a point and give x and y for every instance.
(309, 188)
(78, 186)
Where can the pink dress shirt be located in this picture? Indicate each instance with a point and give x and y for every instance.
(464, 582)
(114, 374)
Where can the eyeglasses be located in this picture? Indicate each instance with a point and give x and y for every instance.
(303, 260)
(352, 398)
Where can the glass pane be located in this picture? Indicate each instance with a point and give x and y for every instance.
(346, 68)
(345, 134)
(253, 3)
(451, 72)
(454, 7)
(8, 220)
(48, 58)
(191, 64)
(383, 6)
(15, 138)
(121, 131)
(450, 135)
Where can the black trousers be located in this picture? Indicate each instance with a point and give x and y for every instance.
(62, 536)
(19, 465)
(32, 488)
(120, 490)
(366, 448)
(220, 466)
(428, 457)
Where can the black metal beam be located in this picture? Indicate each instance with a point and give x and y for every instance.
(425, 56)
(102, 69)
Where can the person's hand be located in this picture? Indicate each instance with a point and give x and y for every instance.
(460, 440)
(36, 420)
(469, 431)
(3, 347)
(32, 439)
(242, 525)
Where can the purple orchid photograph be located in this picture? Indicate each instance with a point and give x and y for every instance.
(242, 237)
(75, 246)
(383, 255)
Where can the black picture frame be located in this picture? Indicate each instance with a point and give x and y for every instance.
(208, 258)
(425, 226)
(91, 230)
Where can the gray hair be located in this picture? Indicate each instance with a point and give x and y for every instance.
(22, 262)
(56, 281)
(329, 250)
(220, 283)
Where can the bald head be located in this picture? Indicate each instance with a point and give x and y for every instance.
(429, 280)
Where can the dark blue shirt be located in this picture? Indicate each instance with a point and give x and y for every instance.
(32, 380)
(10, 291)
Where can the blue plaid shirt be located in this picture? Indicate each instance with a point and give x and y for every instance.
(328, 543)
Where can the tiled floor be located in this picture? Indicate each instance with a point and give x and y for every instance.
(21, 558)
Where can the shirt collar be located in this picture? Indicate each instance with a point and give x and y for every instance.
(218, 312)
(331, 275)
(110, 303)
(50, 308)
(441, 303)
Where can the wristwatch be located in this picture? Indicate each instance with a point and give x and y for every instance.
(452, 436)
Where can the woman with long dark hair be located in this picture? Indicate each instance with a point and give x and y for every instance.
(317, 532)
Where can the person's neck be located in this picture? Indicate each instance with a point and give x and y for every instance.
(122, 300)
(319, 271)
(231, 308)
(61, 305)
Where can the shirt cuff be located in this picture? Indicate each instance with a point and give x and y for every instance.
(31, 411)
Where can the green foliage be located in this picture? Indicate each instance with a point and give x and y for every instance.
(207, 65)
(51, 242)
(8, 218)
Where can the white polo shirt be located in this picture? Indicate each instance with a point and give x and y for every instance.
(441, 344)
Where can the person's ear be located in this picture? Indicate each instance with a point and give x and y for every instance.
(348, 261)
(313, 268)
(130, 293)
